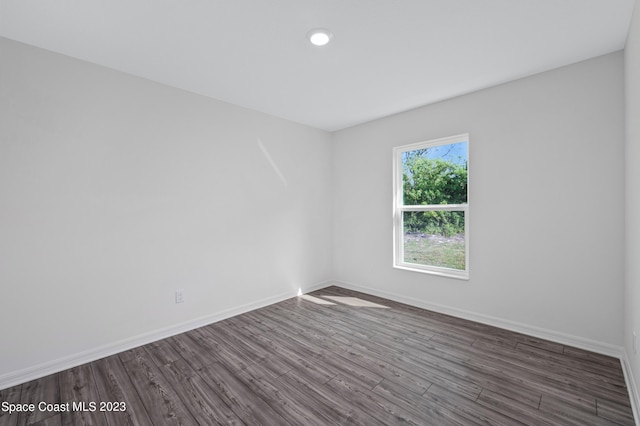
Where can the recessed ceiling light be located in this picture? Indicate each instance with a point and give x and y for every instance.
(319, 36)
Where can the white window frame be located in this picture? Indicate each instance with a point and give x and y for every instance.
(399, 208)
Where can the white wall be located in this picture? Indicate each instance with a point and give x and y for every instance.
(632, 155)
(546, 194)
(114, 191)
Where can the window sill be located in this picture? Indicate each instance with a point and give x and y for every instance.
(441, 272)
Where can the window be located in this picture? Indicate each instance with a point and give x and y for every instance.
(431, 207)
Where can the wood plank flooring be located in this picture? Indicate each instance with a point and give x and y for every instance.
(301, 362)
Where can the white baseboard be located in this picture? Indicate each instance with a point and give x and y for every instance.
(541, 333)
(41, 370)
(634, 396)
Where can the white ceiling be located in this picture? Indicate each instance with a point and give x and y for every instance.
(387, 56)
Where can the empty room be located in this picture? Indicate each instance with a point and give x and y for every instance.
(305, 212)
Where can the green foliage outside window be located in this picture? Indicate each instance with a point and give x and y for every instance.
(429, 181)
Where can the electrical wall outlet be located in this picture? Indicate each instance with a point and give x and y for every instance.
(179, 296)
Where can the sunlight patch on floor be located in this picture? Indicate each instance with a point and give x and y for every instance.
(354, 301)
(316, 300)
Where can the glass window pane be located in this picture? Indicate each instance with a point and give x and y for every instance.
(435, 175)
(435, 238)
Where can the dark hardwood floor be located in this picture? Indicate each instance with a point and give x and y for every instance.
(301, 362)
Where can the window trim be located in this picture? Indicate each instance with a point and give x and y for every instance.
(399, 208)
